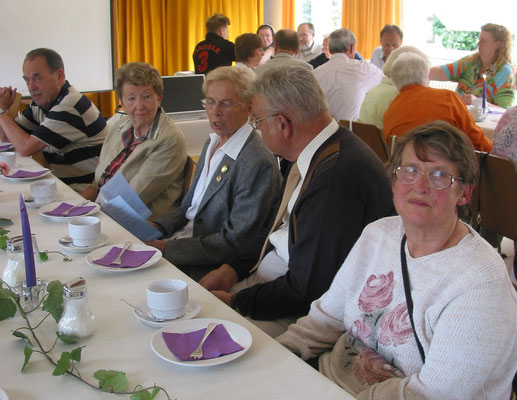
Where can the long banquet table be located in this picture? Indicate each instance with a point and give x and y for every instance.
(121, 342)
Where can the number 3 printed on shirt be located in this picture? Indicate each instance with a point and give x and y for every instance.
(202, 57)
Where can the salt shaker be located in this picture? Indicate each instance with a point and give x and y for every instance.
(77, 319)
(14, 272)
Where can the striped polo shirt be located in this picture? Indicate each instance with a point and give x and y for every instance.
(73, 131)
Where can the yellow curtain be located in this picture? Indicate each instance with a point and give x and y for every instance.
(288, 14)
(366, 18)
(164, 33)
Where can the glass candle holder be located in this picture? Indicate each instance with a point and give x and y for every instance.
(30, 297)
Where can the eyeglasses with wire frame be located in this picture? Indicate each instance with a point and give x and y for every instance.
(437, 178)
(254, 121)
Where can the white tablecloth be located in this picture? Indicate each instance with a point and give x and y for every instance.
(121, 342)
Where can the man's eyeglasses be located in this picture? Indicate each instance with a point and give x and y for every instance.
(254, 121)
(437, 179)
(224, 104)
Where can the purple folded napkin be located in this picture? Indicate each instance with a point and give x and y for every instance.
(129, 259)
(218, 343)
(496, 112)
(5, 146)
(26, 174)
(59, 210)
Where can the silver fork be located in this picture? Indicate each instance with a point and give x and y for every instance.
(198, 353)
(118, 260)
(82, 203)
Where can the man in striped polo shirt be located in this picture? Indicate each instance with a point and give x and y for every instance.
(60, 121)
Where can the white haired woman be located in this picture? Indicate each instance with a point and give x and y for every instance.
(422, 307)
(143, 143)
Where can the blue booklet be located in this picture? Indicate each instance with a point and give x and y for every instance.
(118, 199)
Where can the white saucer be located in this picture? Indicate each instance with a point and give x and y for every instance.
(30, 203)
(71, 248)
(192, 310)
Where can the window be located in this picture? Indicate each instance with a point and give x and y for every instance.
(325, 15)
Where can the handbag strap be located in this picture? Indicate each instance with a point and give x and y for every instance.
(407, 291)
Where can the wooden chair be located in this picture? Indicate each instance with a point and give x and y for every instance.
(371, 135)
(13, 110)
(190, 168)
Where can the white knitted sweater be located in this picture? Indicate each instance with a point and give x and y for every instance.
(465, 313)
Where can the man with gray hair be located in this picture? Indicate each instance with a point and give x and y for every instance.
(344, 79)
(308, 47)
(335, 187)
(286, 48)
(60, 121)
(418, 104)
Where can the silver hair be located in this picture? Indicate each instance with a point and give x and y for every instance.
(409, 69)
(340, 40)
(386, 68)
(291, 88)
(239, 78)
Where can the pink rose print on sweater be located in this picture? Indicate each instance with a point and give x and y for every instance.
(395, 326)
(371, 368)
(360, 330)
(377, 292)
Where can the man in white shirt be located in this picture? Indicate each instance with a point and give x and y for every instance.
(344, 79)
(391, 39)
(308, 48)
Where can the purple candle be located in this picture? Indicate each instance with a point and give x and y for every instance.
(30, 270)
(484, 93)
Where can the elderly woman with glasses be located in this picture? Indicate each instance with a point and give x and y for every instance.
(422, 307)
(227, 212)
(143, 143)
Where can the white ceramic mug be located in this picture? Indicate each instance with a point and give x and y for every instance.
(84, 231)
(8, 157)
(44, 191)
(167, 298)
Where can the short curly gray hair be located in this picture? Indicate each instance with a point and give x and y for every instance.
(240, 78)
(138, 74)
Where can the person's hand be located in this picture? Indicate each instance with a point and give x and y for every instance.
(222, 278)
(4, 168)
(468, 99)
(7, 95)
(223, 296)
(159, 244)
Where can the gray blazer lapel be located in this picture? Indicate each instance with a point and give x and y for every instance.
(221, 175)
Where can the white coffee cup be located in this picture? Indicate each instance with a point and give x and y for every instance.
(167, 298)
(8, 157)
(44, 191)
(84, 231)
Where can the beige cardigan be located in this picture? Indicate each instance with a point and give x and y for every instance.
(155, 168)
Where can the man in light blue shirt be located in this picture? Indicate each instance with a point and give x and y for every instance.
(391, 39)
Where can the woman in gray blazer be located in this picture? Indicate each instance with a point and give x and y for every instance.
(230, 206)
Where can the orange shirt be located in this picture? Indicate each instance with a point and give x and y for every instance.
(417, 105)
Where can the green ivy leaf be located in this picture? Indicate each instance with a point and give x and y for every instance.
(3, 242)
(3, 231)
(43, 256)
(142, 395)
(110, 380)
(27, 351)
(7, 304)
(67, 339)
(22, 335)
(54, 301)
(63, 364)
(76, 354)
(155, 392)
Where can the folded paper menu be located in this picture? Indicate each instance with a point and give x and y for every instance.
(63, 207)
(26, 174)
(217, 344)
(129, 259)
